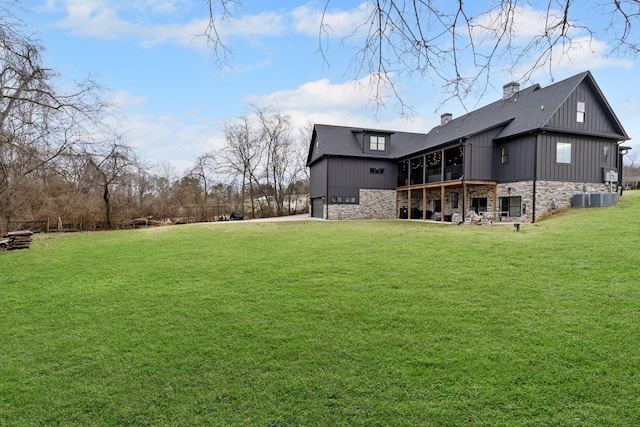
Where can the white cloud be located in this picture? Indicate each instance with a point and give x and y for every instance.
(153, 23)
(338, 23)
(522, 57)
(122, 99)
(581, 54)
(169, 138)
(343, 104)
(324, 95)
(526, 23)
(249, 26)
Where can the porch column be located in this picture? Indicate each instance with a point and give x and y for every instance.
(442, 203)
(424, 203)
(409, 203)
(464, 198)
(495, 196)
(397, 203)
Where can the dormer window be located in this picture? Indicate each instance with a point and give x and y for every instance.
(377, 143)
(581, 112)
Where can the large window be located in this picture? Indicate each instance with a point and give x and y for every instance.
(479, 204)
(511, 206)
(563, 152)
(377, 143)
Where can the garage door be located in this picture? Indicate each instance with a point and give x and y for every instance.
(316, 207)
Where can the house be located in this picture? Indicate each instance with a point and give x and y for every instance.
(515, 159)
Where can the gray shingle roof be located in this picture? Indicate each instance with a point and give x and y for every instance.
(528, 110)
(343, 141)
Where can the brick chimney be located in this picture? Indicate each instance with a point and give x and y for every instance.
(445, 118)
(510, 89)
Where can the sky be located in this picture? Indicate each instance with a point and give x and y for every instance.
(173, 97)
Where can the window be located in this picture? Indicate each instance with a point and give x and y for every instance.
(377, 143)
(479, 204)
(581, 112)
(340, 199)
(504, 154)
(454, 201)
(511, 206)
(379, 171)
(563, 152)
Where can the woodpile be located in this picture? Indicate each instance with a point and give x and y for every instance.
(16, 240)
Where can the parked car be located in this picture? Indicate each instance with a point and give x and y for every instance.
(236, 216)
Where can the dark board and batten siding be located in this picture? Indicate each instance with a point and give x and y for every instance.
(587, 158)
(354, 172)
(349, 175)
(478, 152)
(318, 179)
(519, 167)
(595, 118)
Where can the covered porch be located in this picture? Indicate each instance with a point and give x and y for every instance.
(447, 201)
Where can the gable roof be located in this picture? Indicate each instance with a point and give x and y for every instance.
(528, 110)
(343, 141)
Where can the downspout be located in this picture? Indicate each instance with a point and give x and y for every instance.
(464, 196)
(327, 187)
(464, 170)
(622, 151)
(535, 178)
(620, 168)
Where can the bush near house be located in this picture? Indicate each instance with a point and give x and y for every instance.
(327, 323)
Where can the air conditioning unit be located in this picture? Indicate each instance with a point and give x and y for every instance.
(581, 200)
(610, 176)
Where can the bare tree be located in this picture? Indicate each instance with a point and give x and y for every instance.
(38, 123)
(241, 156)
(111, 163)
(457, 44)
(204, 170)
(275, 135)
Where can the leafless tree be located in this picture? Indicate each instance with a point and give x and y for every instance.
(241, 156)
(458, 44)
(38, 122)
(110, 163)
(276, 137)
(204, 169)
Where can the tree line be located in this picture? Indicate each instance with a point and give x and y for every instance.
(63, 164)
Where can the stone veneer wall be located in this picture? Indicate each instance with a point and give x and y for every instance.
(559, 193)
(551, 195)
(379, 204)
(382, 203)
(522, 189)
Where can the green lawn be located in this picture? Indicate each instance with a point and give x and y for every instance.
(354, 323)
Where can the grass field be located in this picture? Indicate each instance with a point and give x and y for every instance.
(354, 323)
